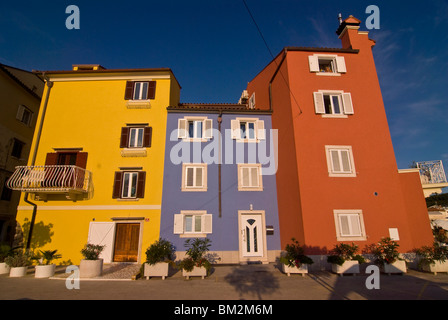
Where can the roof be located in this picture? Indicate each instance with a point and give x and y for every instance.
(26, 79)
(215, 107)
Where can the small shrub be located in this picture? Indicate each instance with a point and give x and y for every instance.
(295, 255)
(344, 252)
(385, 251)
(92, 251)
(197, 249)
(160, 251)
(18, 259)
(431, 254)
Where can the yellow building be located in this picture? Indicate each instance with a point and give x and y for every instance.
(20, 95)
(96, 169)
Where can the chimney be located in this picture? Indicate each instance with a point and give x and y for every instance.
(350, 35)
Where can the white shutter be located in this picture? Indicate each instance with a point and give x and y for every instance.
(319, 105)
(208, 129)
(314, 63)
(261, 132)
(206, 223)
(348, 104)
(182, 129)
(235, 127)
(344, 227)
(340, 62)
(102, 233)
(178, 224)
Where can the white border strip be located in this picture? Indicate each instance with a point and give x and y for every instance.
(126, 207)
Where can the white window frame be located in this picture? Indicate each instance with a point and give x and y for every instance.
(340, 173)
(133, 177)
(259, 129)
(206, 132)
(352, 216)
(139, 131)
(195, 167)
(345, 103)
(337, 62)
(206, 222)
(250, 166)
(137, 96)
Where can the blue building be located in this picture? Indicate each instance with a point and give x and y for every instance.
(219, 181)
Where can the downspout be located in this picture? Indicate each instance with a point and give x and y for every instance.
(33, 159)
(219, 164)
(273, 77)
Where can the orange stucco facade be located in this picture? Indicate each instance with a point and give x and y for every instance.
(309, 197)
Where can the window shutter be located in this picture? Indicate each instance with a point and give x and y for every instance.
(178, 224)
(207, 223)
(355, 225)
(348, 104)
(129, 91)
(118, 182)
(208, 129)
(335, 164)
(141, 179)
(314, 63)
(151, 89)
(199, 177)
(344, 225)
(124, 141)
(319, 105)
(20, 111)
(182, 129)
(147, 138)
(340, 62)
(81, 159)
(235, 127)
(52, 159)
(261, 132)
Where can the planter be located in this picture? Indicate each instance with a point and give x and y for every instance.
(196, 272)
(349, 267)
(303, 269)
(90, 268)
(17, 272)
(159, 269)
(398, 266)
(4, 268)
(44, 271)
(435, 267)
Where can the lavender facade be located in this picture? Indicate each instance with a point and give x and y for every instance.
(219, 182)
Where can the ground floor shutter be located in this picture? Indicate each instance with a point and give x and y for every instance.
(102, 233)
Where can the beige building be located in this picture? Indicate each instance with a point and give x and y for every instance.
(20, 96)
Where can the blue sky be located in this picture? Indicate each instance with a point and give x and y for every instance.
(214, 49)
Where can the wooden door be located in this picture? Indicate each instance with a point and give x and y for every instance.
(126, 242)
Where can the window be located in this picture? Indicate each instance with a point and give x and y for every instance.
(332, 103)
(194, 177)
(340, 161)
(17, 148)
(24, 115)
(140, 90)
(349, 225)
(252, 101)
(193, 224)
(136, 137)
(325, 64)
(250, 177)
(248, 129)
(129, 185)
(67, 157)
(195, 128)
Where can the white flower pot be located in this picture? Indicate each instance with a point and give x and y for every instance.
(17, 272)
(435, 267)
(398, 266)
(349, 267)
(4, 268)
(44, 271)
(303, 269)
(159, 269)
(196, 272)
(90, 268)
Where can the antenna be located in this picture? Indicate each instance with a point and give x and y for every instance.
(340, 18)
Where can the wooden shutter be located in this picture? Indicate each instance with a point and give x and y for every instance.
(319, 105)
(206, 222)
(348, 104)
(261, 132)
(314, 63)
(52, 159)
(235, 127)
(340, 63)
(141, 179)
(19, 115)
(81, 159)
(129, 91)
(208, 129)
(147, 138)
(124, 141)
(118, 183)
(178, 224)
(151, 90)
(182, 129)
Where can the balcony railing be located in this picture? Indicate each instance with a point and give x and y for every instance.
(50, 179)
(431, 172)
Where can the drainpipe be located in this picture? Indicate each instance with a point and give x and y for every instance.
(219, 164)
(273, 77)
(33, 159)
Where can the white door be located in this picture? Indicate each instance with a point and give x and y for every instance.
(251, 235)
(103, 233)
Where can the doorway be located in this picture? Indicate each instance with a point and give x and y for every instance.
(252, 236)
(127, 236)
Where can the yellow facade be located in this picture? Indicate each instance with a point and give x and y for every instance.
(86, 111)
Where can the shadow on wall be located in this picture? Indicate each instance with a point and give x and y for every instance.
(42, 233)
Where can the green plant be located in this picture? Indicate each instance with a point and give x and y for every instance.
(160, 251)
(49, 255)
(197, 249)
(5, 251)
(92, 251)
(440, 234)
(19, 258)
(431, 254)
(385, 251)
(344, 252)
(295, 255)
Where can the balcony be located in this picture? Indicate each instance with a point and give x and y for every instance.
(56, 180)
(432, 176)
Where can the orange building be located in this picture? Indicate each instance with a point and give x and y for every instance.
(337, 178)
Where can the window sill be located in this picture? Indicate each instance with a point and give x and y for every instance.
(250, 189)
(342, 175)
(193, 235)
(134, 152)
(330, 74)
(138, 104)
(194, 189)
(195, 140)
(337, 116)
(128, 200)
(351, 238)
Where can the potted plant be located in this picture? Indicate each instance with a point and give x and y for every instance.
(46, 269)
(159, 256)
(18, 263)
(294, 260)
(387, 256)
(433, 258)
(344, 259)
(196, 264)
(91, 266)
(5, 251)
